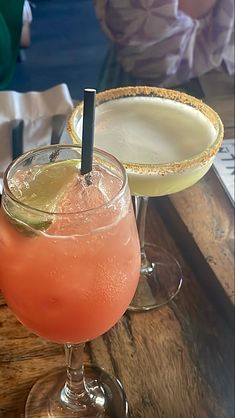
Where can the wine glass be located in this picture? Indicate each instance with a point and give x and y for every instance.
(69, 267)
(167, 141)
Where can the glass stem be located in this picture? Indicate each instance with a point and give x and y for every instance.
(141, 205)
(74, 393)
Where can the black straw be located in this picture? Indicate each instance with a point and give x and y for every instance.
(88, 130)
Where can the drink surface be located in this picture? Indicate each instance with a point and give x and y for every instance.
(153, 130)
(71, 278)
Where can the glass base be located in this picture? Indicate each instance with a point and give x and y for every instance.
(160, 280)
(108, 397)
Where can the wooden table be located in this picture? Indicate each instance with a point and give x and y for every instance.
(175, 362)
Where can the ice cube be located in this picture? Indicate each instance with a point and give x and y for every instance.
(82, 195)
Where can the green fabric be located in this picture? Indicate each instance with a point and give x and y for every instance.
(11, 12)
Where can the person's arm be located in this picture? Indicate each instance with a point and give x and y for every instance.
(196, 8)
(27, 20)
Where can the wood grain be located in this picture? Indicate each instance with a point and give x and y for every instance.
(175, 362)
(201, 219)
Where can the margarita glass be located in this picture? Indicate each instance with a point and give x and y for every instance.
(167, 141)
(69, 267)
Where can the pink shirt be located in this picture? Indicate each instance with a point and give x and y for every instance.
(155, 41)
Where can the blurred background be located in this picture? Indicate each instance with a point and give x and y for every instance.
(67, 46)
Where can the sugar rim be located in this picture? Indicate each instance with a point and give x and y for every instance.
(197, 160)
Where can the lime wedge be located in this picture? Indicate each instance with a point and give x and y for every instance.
(41, 187)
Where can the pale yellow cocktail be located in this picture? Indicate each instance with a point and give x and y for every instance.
(165, 139)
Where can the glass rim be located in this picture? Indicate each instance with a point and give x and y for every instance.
(28, 154)
(196, 160)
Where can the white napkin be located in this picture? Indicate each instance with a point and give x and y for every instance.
(40, 112)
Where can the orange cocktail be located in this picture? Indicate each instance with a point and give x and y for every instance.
(69, 289)
(69, 267)
(74, 279)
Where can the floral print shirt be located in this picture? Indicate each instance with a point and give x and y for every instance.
(157, 41)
